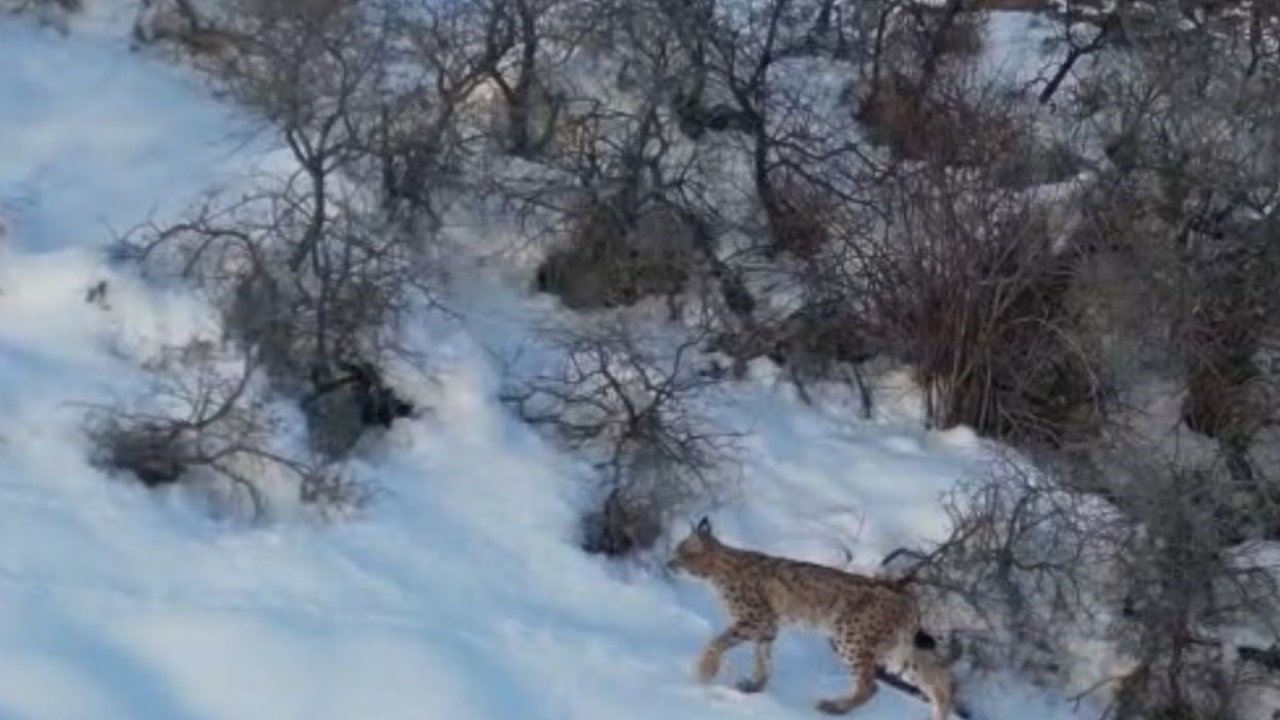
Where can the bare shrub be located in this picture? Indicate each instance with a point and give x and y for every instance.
(1188, 197)
(964, 37)
(315, 271)
(363, 93)
(1015, 5)
(49, 13)
(820, 340)
(1145, 556)
(340, 310)
(798, 215)
(344, 405)
(894, 116)
(43, 6)
(188, 24)
(959, 124)
(70, 6)
(438, 53)
(1186, 579)
(207, 424)
(967, 285)
(635, 412)
(614, 259)
(966, 276)
(308, 270)
(1231, 396)
(614, 209)
(1188, 304)
(1022, 568)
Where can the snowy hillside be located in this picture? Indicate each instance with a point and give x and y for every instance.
(460, 592)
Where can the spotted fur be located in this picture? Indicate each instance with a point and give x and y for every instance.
(873, 622)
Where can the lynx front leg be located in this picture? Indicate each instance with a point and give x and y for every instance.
(758, 679)
(709, 663)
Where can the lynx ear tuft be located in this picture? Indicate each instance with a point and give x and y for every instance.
(704, 527)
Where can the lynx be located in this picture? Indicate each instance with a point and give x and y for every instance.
(873, 622)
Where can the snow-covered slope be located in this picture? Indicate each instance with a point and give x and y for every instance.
(460, 593)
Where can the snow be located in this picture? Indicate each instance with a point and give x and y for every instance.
(1015, 48)
(460, 593)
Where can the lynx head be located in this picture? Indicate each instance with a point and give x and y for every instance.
(694, 554)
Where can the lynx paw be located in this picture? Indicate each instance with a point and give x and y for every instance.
(834, 707)
(707, 669)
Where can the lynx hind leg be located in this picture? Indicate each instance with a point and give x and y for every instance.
(927, 672)
(857, 650)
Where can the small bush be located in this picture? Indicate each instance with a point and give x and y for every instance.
(822, 340)
(206, 423)
(68, 6)
(157, 453)
(320, 330)
(894, 117)
(1183, 580)
(798, 215)
(965, 37)
(1022, 566)
(613, 259)
(968, 287)
(635, 413)
(1145, 559)
(184, 23)
(345, 405)
(55, 14)
(625, 523)
(963, 127)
